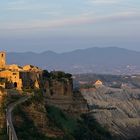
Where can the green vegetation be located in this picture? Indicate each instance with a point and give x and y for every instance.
(99, 132)
(6, 101)
(3, 134)
(26, 130)
(54, 80)
(11, 97)
(56, 75)
(84, 128)
(37, 96)
(2, 80)
(87, 86)
(61, 120)
(73, 128)
(136, 81)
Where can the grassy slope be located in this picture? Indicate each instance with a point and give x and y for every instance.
(84, 128)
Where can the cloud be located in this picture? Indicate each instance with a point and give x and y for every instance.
(104, 1)
(73, 21)
(25, 6)
(17, 2)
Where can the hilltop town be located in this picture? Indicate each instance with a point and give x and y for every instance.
(51, 98)
(61, 106)
(14, 76)
(52, 102)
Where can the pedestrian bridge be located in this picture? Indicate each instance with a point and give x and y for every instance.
(10, 128)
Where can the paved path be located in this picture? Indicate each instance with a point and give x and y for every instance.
(10, 128)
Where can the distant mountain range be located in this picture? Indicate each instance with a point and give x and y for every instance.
(111, 60)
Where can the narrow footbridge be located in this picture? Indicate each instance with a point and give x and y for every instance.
(10, 128)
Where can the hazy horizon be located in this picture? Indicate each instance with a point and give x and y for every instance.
(59, 52)
(61, 26)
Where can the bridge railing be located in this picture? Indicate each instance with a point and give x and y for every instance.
(10, 128)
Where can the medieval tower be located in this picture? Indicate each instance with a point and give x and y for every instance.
(2, 59)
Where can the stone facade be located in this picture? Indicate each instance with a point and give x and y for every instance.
(2, 59)
(14, 74)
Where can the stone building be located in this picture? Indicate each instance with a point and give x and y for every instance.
(98, 83)
(2, 60)
(16, 76)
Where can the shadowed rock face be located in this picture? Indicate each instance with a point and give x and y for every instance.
(60, 94)
(116, 109)
(59, 88)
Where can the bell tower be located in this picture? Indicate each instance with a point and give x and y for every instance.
(2, 59)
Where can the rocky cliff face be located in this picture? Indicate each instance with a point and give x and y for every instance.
(60, 94)
(116, 109)
(55, 88)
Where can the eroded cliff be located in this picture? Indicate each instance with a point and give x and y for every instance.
(116, 109)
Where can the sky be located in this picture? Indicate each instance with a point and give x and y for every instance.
(66, 25)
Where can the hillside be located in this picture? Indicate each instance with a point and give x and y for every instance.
(93, 60)
(6, 98)
(116, 109)
(36, 120)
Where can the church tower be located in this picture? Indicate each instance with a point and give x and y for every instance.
(2, 59)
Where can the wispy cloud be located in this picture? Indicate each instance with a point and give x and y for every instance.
(104, 1)
(74, 21)
(17, 2)
(23, 5)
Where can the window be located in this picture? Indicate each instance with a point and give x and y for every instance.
(15, 84)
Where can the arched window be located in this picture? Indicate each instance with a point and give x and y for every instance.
(15, 84)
